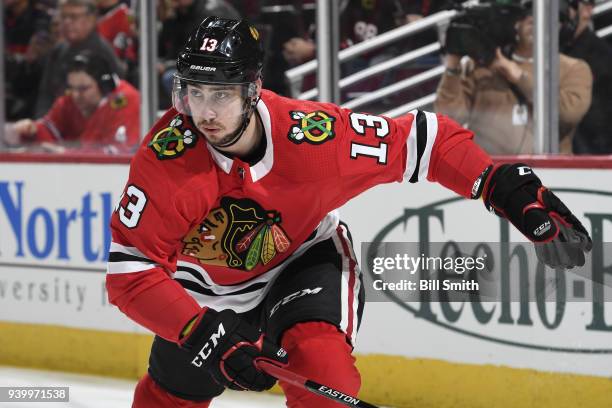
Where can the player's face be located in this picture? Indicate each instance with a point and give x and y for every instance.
(84, 91)
(217, 110)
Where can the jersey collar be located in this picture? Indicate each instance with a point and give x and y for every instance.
(262, 167)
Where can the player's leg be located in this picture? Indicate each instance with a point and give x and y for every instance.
(318, 351)
(149, 394)
(173, 382)
(313, 310)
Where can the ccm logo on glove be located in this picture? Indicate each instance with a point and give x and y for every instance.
(524, 170)
(226, 347)
(207, 349)
(542, 229)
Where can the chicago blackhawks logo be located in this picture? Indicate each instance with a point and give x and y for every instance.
(238, 234)
(314, 127)
(119, 101)
(171, 142)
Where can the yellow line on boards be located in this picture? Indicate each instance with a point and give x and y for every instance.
(426, 383)
(386, 380)
(60, 348)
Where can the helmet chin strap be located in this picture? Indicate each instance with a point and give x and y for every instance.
(246, 119)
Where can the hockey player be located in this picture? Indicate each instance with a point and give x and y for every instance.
(226, 242)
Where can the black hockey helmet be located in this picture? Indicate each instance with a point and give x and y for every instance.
(223, 51)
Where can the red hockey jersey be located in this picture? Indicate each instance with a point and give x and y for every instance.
(115, 123)
(195, 228)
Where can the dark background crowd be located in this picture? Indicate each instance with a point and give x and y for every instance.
(72, 64)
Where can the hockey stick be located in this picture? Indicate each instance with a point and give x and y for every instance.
(302, 382)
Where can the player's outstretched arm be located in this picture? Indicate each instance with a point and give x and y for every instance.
(228, 348)
(514, 192)
(511, 191)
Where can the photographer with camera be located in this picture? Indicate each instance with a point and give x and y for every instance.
(488, 82)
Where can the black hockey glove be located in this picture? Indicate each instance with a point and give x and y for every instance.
(227, 347)
(516, 193)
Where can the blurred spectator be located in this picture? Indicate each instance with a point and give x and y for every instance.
(287, 29)
(115, 26)
(250, 9)
(593, 135)
(165, 10)
(298, 46)
(496, 101)
(279, 21)
(298, 50)
(78, 29)
(176, 29)
(22, 20)
(27, 40)
(415, 10)
(99, 112)
(363, 20)
(360, 20)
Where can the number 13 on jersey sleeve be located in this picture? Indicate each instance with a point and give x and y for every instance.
(415, 147)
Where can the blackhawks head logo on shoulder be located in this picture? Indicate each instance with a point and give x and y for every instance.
(314, 127)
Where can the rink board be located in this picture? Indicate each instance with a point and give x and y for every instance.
(54, 311)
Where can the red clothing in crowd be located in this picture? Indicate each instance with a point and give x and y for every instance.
(114, 26)
(116, 122)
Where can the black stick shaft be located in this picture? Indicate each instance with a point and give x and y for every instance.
(319, 389)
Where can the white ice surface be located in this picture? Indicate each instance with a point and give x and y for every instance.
(101, 392)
